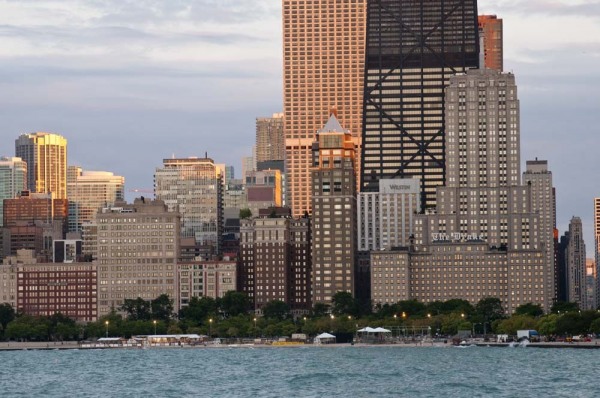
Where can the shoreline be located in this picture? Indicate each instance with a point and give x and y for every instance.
(74, 345)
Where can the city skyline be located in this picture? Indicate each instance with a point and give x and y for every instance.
(128, 72)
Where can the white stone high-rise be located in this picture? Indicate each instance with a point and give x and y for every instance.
(385, 218)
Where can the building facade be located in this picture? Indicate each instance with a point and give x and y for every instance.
(334, 235)
(275, 259)
(264, 189)
(385, 218)
(539, 178)
(270, 138)
(89, 191)
(194, 188)
(490, 31)
(46, 158)
(575, 265)
(206, 279)
(13, 180)
(323, 68)
(412, 50)
(44, 289)
(597, 246)
(138, 246)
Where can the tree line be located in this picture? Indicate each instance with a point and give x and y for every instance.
(231, 316)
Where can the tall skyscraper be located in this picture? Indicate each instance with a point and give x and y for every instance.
(597, 246)
(483, 216)
(575, 265)
(13, 180)
(46, 158)
(194, 188)
(89, 191)
(490, 30)
(270, 139)
(334, 211)
(543, 200)
(413, 48)
(323, 62)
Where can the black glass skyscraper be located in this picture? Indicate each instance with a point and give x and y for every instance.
(412, 49)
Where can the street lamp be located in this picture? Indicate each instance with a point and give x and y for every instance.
(210, 327)
(403, 315)
(154, 326)
(462, 315)
(106, 323)
(331, 323)
(429, 316)
(254, 326)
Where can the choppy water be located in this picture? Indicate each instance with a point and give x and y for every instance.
(302, 372)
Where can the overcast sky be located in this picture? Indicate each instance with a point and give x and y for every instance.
(130, 82)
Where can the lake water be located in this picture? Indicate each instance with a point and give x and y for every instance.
(302, 372)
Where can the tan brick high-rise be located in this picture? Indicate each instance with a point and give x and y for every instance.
(323, 60)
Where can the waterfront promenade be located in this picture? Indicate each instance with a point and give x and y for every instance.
(69, 345)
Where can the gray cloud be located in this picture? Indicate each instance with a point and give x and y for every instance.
(590, 9)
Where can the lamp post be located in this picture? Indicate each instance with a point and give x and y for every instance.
(154, 326)
(255, 330)
(210, 327)
(331, 324)
(106, 323)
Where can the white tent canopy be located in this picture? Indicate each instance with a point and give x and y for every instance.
(374, 330)
(324, 337)
(382, 330)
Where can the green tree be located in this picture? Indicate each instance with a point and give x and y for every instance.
(412, 308)
(546, 325)
(489, 309)
(234, 303)
(457, 305)
(245, 213)
(137, 309)
(276, 309)
(198, 309)
(529, 309)
(162, 308)
(344, 304)
(516, 322)
(563, 307)
(595, 326)
(7, 314)
(319, 310)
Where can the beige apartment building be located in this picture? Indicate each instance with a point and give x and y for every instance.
(462, 269)
(206, 279)
(138, 247)
(323, 67)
